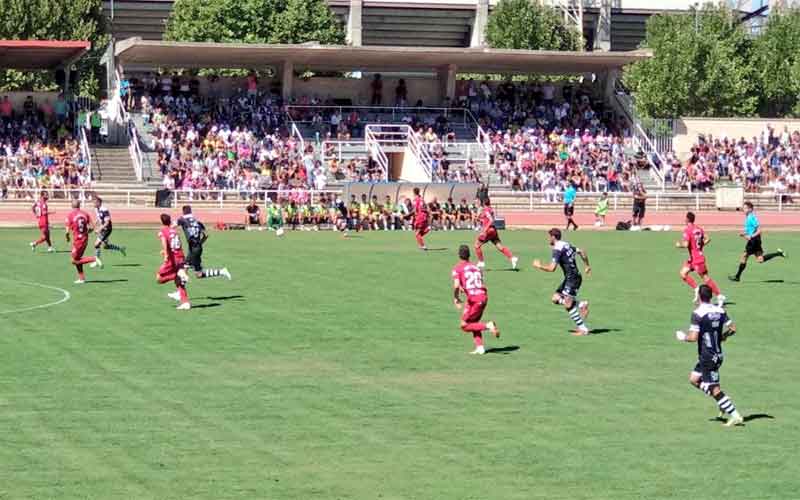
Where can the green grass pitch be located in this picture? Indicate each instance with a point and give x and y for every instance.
(335, 369)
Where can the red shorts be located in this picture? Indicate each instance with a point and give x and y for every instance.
(489, 235)
(421, 226)
(78, 248)
(170, 267)
(44, 226)
(473, 311)
(698, 266)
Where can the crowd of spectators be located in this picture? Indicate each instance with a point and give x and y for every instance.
(40, 150)
(770, 160)
(237, 144)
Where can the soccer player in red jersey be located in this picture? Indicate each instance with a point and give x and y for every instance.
(173, 267)
(695, 240)
(42, 214)
(469, 279)
(80, 225)
(489, 234)
(421, 225)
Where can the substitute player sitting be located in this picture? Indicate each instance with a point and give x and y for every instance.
(253, 219)
(467, 278)
(710, 327)
(695, 240)
(488, 234)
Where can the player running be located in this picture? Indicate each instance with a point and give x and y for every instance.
(489, 234)
(567, 292)
(467, 277)
(695, 240)
(42, 213)
(172, 269)
(710, 327)
(421, 222)
(103, 217)
(196, 236)
(80, 225)
(752, 233)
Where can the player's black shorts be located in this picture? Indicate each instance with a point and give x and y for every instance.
(104, 234)
(753, 246)
(638, 208)
(570, 286)
(569, 209)
(709, 371)
(195, 257)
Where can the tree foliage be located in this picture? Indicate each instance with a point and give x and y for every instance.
(54, 20)
(701, 66)
(254, 21)
(523, 24)
(777, 64)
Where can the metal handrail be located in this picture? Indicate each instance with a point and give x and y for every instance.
(422, 154)
(375, 150)
(86, 150)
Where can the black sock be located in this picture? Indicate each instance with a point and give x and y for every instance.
(772, 256)
(741, 270)
(112, 247)
(210, 273)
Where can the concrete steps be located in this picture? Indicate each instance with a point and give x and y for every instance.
(112, 164)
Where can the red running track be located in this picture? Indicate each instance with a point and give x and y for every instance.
(19, 217)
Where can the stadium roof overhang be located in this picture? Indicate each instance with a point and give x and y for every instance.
(135, 52)
(40, 54)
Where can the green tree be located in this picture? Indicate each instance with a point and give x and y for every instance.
(254, 21)
(524, 24)
(55, 20)
(777, 64)
(701, 66)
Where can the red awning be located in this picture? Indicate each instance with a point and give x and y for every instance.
(40, 54)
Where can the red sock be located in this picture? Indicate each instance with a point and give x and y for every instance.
(87, 260)
(420, 240)
(40, 241)
(507, 253)
(167, 278)
(182, 293)
(474, 327)
(479, 252)
(690, 281)
(713, 285)
(477, 337)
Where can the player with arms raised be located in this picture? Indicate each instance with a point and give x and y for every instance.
(103, 217)
(421, 222)
(196, 236)
(467, 278)
(567, 293)
(710, 327)
(42, 213)
(80, 225)
(489, 234)
(172, 269)
(695, 240)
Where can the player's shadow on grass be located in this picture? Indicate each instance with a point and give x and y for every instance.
(506, 270)
(126, 265)
(601, 331)
(442, 249)
(206, 306)
(106, 281)
(503, 350)
(747, 418)
(227, 297)
(783, 282)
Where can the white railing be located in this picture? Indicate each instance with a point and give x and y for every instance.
(86, 152)
(640, 138)
(135, 150)
(340, 150)
(421, 152)
(396, 112)
(531, 200)
(296, 133)
(375, 149)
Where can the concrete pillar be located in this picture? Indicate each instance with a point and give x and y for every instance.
(479, 25)
(602, 35)
(608, 79)
(287, 79)
(354, 23)
(447, 83)
(67, 75)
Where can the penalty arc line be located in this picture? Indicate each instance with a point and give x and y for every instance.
(66, 297)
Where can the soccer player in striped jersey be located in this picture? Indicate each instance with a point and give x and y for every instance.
(710, 327)
(752, 233)
(567, 293)
(196, 236)
(103, 218)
